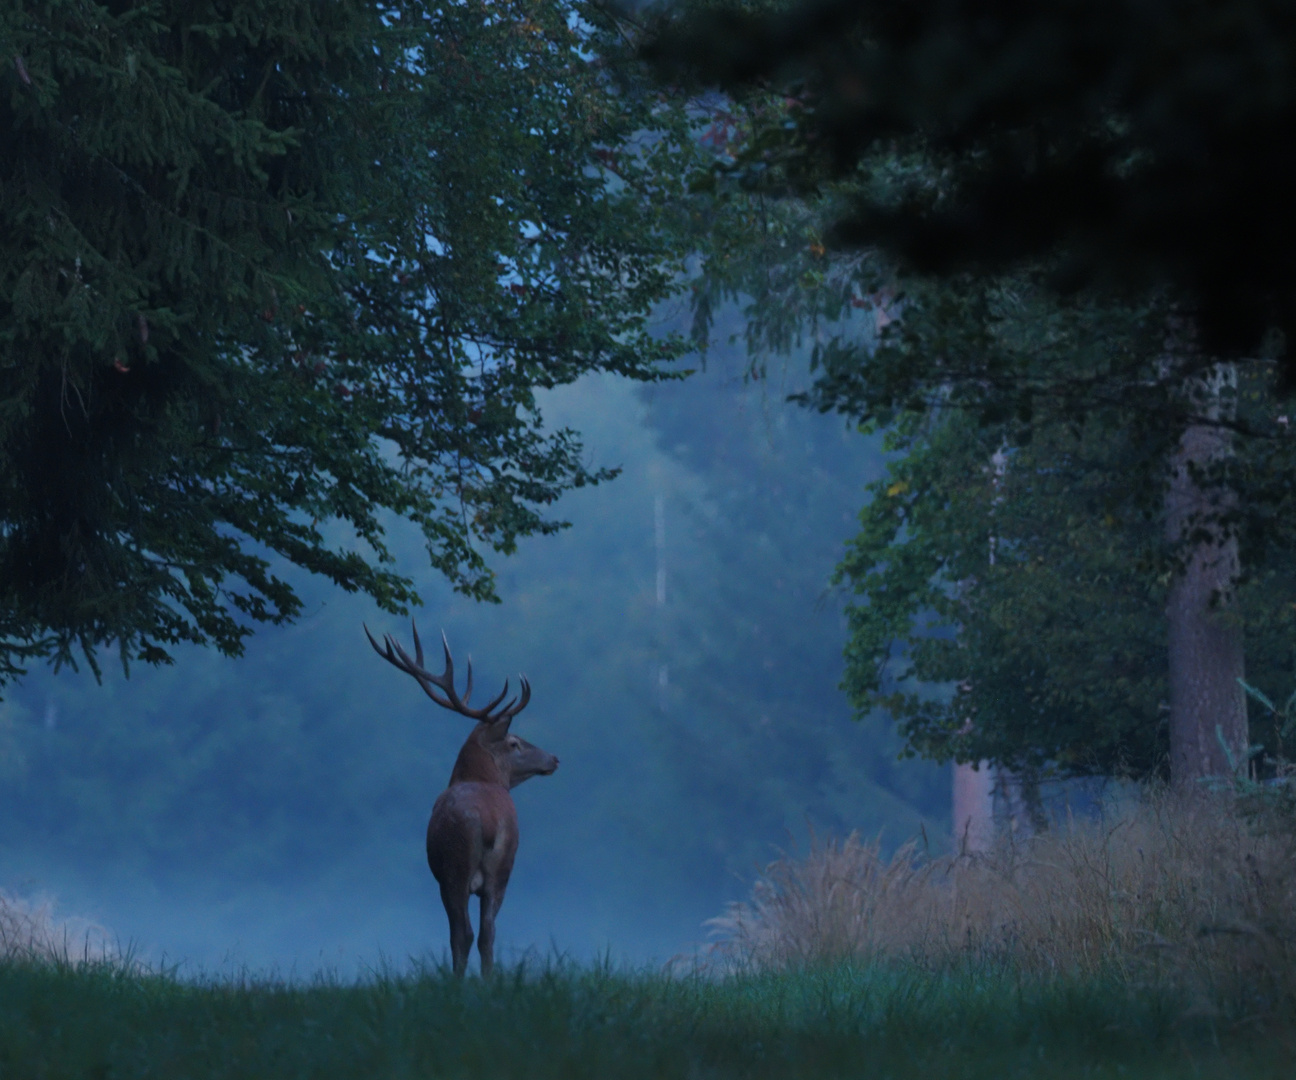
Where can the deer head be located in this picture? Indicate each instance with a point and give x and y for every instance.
(513, 759)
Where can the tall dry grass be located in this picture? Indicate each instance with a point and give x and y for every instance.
(1196, 891)
(33, 930)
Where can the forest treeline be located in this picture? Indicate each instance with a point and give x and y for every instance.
(277, 275)
(1065, 223)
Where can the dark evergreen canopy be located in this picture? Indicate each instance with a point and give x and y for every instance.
(1148, 143)
(272, 270)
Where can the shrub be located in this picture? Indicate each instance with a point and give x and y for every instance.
(1195, 890)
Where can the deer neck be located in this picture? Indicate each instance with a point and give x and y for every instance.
(476, 763)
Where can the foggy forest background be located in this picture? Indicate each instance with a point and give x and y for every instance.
(985, 455)
(269, 811)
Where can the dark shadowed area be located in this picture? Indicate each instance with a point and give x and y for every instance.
(684, 652)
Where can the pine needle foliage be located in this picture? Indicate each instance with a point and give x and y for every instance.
(272, 271)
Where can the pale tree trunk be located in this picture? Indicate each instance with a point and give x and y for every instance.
(975, 782)
(1207, 704)
(659, 544)
(973, 807)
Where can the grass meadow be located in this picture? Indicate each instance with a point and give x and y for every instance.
(847, 1020)
(1155, 942)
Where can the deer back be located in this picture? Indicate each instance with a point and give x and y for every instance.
(472, 837)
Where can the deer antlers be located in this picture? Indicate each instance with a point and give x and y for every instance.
(395, 655)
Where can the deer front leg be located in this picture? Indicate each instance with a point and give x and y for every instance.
(461, 932)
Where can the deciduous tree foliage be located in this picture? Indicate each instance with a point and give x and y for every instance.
(1103, 157)
(1033, 595)
(274, 270)
(1035, 587)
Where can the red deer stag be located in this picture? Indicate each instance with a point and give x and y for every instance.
(472, 836)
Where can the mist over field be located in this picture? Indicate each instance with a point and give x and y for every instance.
(269, 812)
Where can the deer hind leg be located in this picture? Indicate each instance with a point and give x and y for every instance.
(461, 932)
(490, 905)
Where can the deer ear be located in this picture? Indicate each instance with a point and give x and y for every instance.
(499, 729)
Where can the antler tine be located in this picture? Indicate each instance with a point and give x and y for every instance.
(498, 698)
(448, 675)
(374, 643)
(444, 682)
(394, 653)
(399, 658)
(386, 651)
(418, 645)
(425, 678)
(511, 710)
(449, 660)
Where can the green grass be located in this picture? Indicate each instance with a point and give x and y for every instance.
(561, 1020)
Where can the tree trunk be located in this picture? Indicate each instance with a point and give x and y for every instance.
(973, 807)
(974, 783)
(1207, 704)
(1023, 810)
